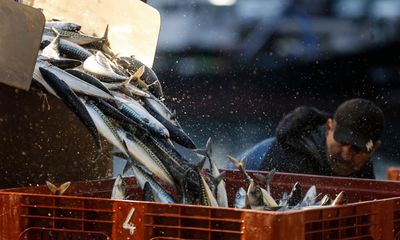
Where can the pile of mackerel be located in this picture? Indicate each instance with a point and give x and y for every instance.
(122, 100)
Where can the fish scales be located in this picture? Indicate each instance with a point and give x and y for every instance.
(68, 48)
(105, 127)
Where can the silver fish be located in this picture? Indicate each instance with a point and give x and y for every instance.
(310, 197)
(340, 199)
(240, 198)
(105, 127)
(325, 201)
(73, 102)
(221, 194)
(76, 84)
(37, 75)
(73, 36)
(284, 199)
(208, 196)
(257, 197)
(100, 66)
(160, 195)
(168, 119)
(149, 122)
(67, 48)
(141, 153)
(119, 189)
(295, 195)
(52, 50)
(67, 26)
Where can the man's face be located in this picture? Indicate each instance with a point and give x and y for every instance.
(344, 159)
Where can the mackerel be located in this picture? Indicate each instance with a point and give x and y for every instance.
(105, 127)
(266, 179)
(66, 26)
(75, 83)
(340, 199)
(309, 198)
(65, 63)
(67, 48)
(141, 153)
(148, 194)
(295, 195)
(73, 102)
(207, 197)
(111, 111)
(89, 79)
(156, 108)
(52, 50)
(99, 66)
(149, 76)
(75, 37)
(149, 122)
(167, 151)
(160, 195)
(220, 190)
(119, 189)
(257, 197)
(37, 75)
(240, 198)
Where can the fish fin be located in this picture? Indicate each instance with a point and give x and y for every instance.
(148, 194)
(202, 152)
(267, 199)
(244, 163)
(170, 142)
(200, 164)
(64, 187)
(209, 147)
(235, 162)
(52, 187)
(127, 81)
(105, 36)
(340, 199)
(118, 153)
(259, 177)
(127, 166)
(139, 73)
(216, 180)
(56, 31)
(137, 76)
(173, 115)
(270, 176)
(102, 60)
(52, 50)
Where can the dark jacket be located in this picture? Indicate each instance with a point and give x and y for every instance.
(298, 147)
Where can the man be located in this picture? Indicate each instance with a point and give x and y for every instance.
(309, 141)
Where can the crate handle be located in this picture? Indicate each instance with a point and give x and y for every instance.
(129, 226)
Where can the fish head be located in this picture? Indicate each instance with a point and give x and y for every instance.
(164, 132)
(120, 183)
(254, 194)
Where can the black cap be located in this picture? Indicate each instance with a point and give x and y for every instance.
(359, 122)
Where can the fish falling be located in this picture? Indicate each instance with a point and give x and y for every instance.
(121, 100)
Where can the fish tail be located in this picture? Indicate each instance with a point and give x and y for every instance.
(235, 162)
(139, 73)
(105, 35)
(127, 81)
(52, 187)
(64, 187)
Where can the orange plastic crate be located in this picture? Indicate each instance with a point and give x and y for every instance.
(86, 212)
(393, 173)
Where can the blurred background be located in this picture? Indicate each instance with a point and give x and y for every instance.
(232, 68)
